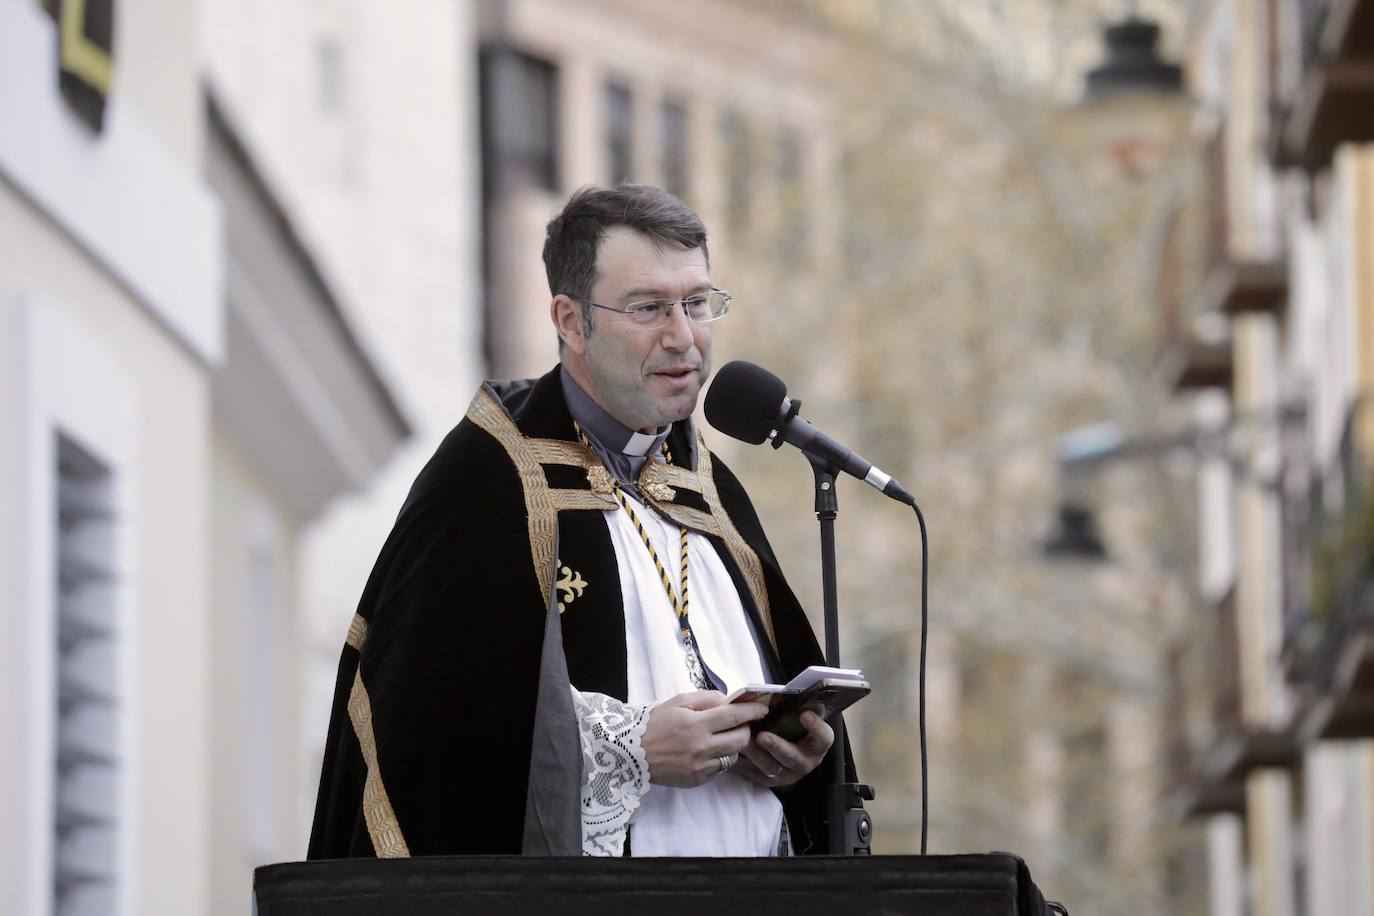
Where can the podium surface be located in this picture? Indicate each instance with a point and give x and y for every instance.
(969, 885)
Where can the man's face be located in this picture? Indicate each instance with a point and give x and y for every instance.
(646, 379)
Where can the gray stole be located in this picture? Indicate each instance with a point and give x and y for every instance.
(553, 797)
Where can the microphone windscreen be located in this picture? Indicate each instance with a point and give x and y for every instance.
(744, 401)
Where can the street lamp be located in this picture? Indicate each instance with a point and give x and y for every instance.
(1076, 537)
(1083, 452)
(1132, 63)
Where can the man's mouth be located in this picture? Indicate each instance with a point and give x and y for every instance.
(678, 377)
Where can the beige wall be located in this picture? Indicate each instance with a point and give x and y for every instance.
(10, 688)
(255, 805)
(1363, 241)
(1258, 594)
(384, 191)
(170, 551)
(166, 252)
(1270, 851)
(157, 70)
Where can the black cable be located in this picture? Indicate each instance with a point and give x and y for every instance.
(921, 678)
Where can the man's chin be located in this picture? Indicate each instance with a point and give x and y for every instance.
(679, 407)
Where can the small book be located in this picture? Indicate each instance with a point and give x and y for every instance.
(821, 689)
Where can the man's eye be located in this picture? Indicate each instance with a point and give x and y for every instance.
(650, 308)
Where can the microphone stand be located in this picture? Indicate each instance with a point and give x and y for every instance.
(851, 827)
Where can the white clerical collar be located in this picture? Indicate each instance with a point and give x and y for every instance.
(640, 444)
(605, 430)
(620, 448)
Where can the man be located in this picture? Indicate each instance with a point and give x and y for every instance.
(590, 483)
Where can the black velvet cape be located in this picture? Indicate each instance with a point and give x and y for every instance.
(429, 743)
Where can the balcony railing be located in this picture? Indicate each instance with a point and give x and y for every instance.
(1330, 636)
(1188, 360)
(1203, 280)
(1233, 284)
(1335, 95)
(1193, 789)
(1208, 776)
(1227, 714)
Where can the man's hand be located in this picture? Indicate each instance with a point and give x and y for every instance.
(773, 762)
(688, 735)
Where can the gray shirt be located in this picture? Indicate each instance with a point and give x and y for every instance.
(623, 450)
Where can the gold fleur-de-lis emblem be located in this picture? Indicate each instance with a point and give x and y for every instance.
(653, 481)
(571, 585)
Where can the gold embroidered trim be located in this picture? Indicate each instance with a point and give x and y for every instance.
(680, 478)
(575, 454)
(744, 555)
(357, 632)
(543, 504)
(558, 451)
(582, 499)
(539, 506)
(382, 826)
(688, 517)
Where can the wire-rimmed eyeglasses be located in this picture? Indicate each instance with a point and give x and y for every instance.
(652, 314)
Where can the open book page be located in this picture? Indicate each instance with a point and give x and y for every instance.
(818, 672)
(767, 693)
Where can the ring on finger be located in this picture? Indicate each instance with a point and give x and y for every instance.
(725, 763)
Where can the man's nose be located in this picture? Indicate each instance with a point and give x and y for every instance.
(677, 333)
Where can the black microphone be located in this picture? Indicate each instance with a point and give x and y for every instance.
(750, 403)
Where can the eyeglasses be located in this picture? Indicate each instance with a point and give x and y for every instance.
(652, 314)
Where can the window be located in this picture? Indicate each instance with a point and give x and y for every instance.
(86, 782)
(619, 134)
(734, 141)
(519, 118)
(675, 148)
(75, 801)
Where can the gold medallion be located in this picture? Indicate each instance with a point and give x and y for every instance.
(601, 480)
(653, 482)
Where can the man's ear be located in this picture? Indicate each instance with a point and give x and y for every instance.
(567, 320)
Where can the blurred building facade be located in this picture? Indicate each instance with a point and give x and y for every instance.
(916, 242)
(722, 103)
(1269, 331)
(190, 410)
(183, 396)
(366, 114)
(993, 292)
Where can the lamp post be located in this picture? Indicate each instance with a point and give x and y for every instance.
(1087, 450)
(1132, 63)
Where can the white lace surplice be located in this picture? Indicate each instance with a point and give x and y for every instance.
(615, 774)
(727, 816)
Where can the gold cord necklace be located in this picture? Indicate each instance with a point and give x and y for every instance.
(695, 668)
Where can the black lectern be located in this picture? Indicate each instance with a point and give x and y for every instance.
(966, 885)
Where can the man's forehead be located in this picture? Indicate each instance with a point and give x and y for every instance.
(631, 263)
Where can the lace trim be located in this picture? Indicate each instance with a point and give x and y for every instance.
(784, 840)
(615, 772)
